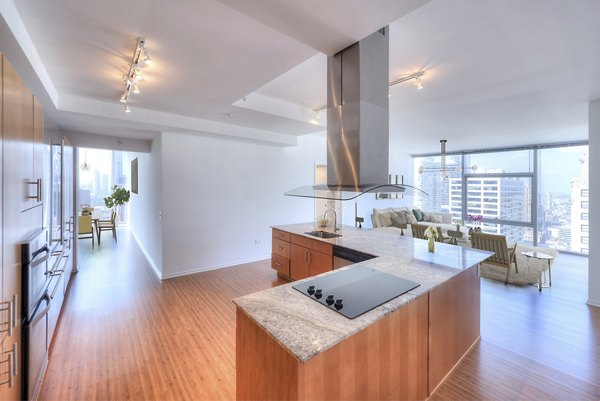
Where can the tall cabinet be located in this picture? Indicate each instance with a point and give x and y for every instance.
(21, 213)
(22, 170)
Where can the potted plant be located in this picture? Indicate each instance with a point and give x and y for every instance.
(119, 197)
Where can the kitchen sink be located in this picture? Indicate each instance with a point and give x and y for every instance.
(323, 234)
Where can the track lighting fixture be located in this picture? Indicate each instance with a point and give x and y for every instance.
(416, 76)
(140, 58)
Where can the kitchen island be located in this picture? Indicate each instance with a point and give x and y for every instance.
(290, 347)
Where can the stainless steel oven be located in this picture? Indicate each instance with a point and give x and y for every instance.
(36, 304)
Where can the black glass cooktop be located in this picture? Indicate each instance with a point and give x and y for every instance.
(355, 291)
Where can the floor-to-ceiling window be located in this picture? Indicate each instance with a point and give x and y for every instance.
(537, 194)
(563, 198)
(99, 171)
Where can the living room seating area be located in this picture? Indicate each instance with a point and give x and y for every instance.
(400, 220)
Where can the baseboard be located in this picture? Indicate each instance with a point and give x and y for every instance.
(147, 256)
(214, 267)
(592, 302)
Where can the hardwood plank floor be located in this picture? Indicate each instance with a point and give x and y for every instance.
(126, 336)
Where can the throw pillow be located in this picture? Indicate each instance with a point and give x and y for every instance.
(427, 217)
(398, 222)
(418, 214)
(401, 217)
(410, 218)
(385, 219)
(436, 218)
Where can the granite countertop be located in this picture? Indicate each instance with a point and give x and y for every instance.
(306, 328)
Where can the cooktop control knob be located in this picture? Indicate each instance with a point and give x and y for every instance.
(329, 300)
(339, 303)
(318, 293)
(311, 289)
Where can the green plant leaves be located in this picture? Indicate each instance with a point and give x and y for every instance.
(119, 197)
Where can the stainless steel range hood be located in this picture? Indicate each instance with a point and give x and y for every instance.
(357, 122)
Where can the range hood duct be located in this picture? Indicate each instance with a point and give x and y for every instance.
(357, 122)
(358, 114)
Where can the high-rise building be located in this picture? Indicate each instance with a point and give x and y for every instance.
(432, 181)
(494, 197)
(580, 200)
(118, 178)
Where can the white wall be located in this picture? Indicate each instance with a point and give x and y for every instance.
(594, 171)
(220, 197)
(400, 163)
(145, 207)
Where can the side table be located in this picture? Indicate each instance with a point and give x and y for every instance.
(541, 257)
(454, 236)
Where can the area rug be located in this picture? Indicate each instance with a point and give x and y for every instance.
(527, 274)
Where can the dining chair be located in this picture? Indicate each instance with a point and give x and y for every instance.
(443, 238)
(106, 225)
(418, 231)
(85, 230)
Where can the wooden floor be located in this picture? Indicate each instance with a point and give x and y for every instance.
(126, 336)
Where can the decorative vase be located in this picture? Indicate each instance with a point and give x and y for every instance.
(458, 227)
(431, 244)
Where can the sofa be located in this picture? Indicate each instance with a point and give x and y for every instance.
(388, 219)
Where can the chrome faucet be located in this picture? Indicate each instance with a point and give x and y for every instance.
(334, 218)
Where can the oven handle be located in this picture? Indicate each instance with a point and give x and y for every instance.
(36, 317)
(42, 249)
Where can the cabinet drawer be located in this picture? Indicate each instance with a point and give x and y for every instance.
(281, 264)
(281, 248)
(282, 235)
(313, 244)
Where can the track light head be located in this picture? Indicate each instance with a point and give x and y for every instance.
(140, 57)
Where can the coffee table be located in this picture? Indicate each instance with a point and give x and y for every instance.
(542, 257)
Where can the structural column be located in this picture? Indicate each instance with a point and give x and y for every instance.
(594, 256)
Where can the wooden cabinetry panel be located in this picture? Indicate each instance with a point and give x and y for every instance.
(18, 138)
(281, 248)
(298, 262)
(22, 165)
(3, 315)
(282, 235)
(454, 308)
(255, 348)
(281, 264)
(38, 145)
(385, 361)
(319, 263)
(313, 244)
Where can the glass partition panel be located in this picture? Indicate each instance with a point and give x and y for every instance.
(563, 199)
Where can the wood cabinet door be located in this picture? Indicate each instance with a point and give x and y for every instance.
(2, 299)
(319, 263)
(38, 145)
(299, 262)
(17, 126)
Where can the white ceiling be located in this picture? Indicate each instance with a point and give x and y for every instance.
(499, 73)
